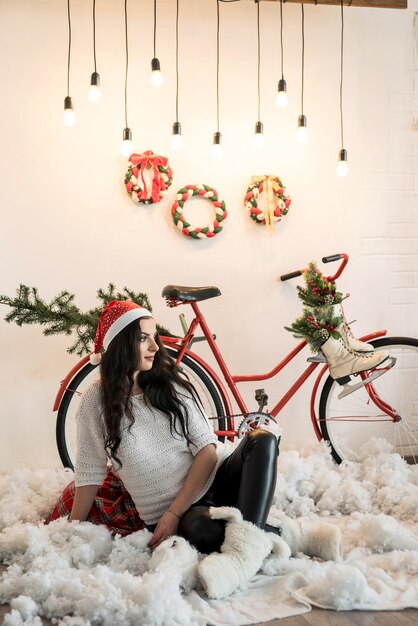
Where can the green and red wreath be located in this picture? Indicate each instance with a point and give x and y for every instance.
(204, 191)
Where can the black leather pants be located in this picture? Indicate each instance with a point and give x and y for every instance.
(245, 480)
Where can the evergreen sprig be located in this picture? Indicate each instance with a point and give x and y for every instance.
(62, 316)
(316, 325)
(318, 290)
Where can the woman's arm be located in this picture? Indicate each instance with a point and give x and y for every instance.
(199, 472)
(83, 501)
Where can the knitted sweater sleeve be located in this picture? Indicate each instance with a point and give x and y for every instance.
(200, 430)
(91, 458)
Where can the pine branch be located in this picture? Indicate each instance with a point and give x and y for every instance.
(316, 325)
(62, 316)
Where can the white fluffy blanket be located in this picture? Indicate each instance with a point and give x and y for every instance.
(80, 576)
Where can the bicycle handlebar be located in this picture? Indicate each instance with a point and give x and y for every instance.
(326, 259)
(291, 275)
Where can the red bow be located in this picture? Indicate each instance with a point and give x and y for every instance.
(149, 160)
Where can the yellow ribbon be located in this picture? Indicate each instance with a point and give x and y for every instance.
(270, 191)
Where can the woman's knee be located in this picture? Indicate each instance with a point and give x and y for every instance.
(204, 533)
(265, 440)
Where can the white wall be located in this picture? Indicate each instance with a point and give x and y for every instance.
(67, 222)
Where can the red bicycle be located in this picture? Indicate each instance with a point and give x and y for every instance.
(386, 407)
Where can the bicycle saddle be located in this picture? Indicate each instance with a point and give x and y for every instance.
(189, 294)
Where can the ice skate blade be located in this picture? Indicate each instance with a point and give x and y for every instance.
(347, 389)
(317, 358)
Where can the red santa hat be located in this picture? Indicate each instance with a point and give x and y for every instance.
(114, 318)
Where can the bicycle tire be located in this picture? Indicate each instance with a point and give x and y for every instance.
(65, 425)
(398, 387)
(206, 389)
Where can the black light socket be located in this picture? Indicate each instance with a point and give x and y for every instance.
(68, 103)
(95, 80)
(282, 85)
(217, 137)
(342, 155)
(155, 65)
(127, 134)
(176, 128)
(302, 121)
(259, 128)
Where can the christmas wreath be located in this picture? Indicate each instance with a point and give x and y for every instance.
(149, 166)
(276, 202)
(203, 191)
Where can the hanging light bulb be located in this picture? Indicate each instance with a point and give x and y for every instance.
(68, 117)
(176, 138)
(258, 137)
(302, 131)
(281, 98)
(217, 148)
(157, 78)
(127, 145)
(94, 94)
(342, 165)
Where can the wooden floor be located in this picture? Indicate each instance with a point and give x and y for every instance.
(318, 617)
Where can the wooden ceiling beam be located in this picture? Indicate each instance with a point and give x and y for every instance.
(375, 4)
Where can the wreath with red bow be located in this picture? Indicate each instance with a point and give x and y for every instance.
(148, 177)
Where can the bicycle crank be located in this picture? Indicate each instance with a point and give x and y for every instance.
(253, 421)
(347, 389)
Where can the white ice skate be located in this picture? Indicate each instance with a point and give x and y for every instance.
(344, 362)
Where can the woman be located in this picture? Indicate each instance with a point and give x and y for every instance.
(146, 417)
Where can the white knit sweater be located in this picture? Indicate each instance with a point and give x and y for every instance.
(155, 463)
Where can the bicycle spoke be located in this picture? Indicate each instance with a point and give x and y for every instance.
(353, 421)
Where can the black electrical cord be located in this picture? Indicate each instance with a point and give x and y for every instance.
(94, 34)
(126, 65)
(303, 57)
(258, 58)
(155, 28)
(217, 65)
(281, 35)
(177, 62)
(341, 74)
(69, 47)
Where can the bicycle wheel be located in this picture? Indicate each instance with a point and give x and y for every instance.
(206, 389)
(351, 422)
(66, 422)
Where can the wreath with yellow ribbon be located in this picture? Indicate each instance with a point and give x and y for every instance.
(276, 202)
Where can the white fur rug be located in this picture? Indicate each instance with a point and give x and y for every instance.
(79, 576)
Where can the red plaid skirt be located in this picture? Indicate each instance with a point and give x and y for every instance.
(113, 507)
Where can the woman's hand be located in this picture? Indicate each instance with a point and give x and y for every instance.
(166, 527)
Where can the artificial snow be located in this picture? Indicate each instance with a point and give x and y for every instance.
(79, 575)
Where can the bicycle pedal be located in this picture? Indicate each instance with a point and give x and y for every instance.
(375, 373)
(317, 358)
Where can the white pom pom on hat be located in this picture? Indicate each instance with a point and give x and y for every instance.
(114, 318)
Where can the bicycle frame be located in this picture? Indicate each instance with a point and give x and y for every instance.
(231, 380)
(181, 345)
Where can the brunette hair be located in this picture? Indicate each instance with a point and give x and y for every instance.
(117, 368)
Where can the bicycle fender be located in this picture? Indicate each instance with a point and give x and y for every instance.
(67, 379)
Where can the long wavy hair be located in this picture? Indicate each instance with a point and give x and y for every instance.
(117, 368)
